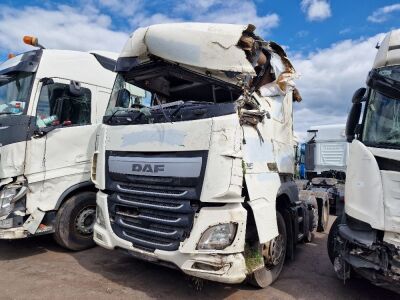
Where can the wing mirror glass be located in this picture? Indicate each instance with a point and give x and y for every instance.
(123, 98)
(358, 95)
(75, 88)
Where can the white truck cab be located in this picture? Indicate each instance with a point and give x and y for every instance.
(326, 150)
(51, 102)
(199, 175)
(366, 239)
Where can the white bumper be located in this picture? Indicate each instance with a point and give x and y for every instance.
(13, 233)
(226, 265)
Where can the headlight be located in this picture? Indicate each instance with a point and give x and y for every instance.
(6, 196)
(218, 237)
(100, 217)
(10, 195)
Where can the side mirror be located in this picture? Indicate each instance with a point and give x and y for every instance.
(358, 95)
(75, 88)
(123, 98)
(352, 121)
(47, 81)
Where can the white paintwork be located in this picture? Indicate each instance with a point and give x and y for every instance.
(331, 148)
(373, 195)
(364, 191)
(198, 45)
(234, 152)
(230, 258)
(385, 55)
(60, 160)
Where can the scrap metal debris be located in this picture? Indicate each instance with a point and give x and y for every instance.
(275, 74)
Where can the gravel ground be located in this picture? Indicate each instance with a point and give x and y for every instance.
(37, 268)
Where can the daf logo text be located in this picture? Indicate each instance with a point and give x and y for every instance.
(148, 168)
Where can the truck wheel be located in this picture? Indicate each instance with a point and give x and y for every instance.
(331, 239)
(323, 214)
(75, 220)
(274, 253)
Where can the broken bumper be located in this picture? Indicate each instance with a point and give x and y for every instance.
(13, 233)
(227, 266)
(373, 259)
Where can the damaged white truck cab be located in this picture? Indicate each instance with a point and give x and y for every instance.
(201, 176)
(51, 102)
(367, 238)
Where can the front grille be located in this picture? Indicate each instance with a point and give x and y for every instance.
(153, 212)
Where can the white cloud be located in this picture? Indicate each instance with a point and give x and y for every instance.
(125, 8)
(220, 11)
(316, 10)
(382, 14)
(328, 79)
(62, 27)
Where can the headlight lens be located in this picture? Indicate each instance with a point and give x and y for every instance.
(100, 217)
(218, 237)
(6, 197)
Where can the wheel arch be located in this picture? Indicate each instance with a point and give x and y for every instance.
(86, 186)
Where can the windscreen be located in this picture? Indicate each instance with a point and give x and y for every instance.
(382, 117)
(15, 91)
(132, 105)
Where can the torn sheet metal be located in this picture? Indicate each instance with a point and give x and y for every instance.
(34, 220)
(263, 189)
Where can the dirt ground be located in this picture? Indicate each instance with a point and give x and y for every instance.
(37, 268)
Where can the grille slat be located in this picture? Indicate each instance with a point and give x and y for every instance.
(170, 233)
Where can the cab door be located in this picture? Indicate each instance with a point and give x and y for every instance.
(65, 119)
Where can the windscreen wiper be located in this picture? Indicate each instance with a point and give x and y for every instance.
(112, 115)
(6, 113)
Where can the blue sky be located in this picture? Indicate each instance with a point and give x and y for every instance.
(331, 42)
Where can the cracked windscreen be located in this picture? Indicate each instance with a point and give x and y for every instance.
(126, 96)
(382, 122)
(132, 105)
(14, 92)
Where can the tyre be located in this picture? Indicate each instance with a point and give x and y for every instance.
(274, 253)
(323, 214)
(75, 220)
(331, 239)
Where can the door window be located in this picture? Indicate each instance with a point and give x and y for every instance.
(57, 105)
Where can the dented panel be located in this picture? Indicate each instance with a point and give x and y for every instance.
(193, 44)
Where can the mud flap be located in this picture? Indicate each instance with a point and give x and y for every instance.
(262, 189)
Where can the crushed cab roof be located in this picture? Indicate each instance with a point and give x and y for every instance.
(199, 45)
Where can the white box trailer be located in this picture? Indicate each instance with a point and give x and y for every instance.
(326, 150)
(51, 102)
(199, 176)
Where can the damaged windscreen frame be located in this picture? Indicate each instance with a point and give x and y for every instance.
(175, 79)
(177, 94)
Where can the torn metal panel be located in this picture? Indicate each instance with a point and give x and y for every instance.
(224, 157)
(263, 189)
(34, 220)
